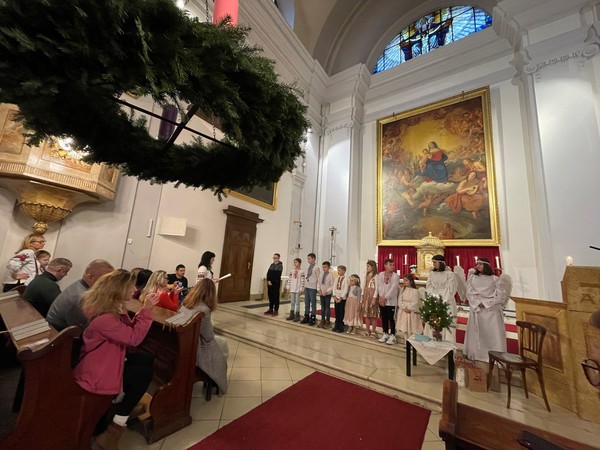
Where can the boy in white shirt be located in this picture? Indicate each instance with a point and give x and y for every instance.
(340, 292)
(325, 288)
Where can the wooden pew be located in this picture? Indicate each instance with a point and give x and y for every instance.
(465, 427)
(174, 350)
(56, 413)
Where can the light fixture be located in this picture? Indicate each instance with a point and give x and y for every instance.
(68, 145)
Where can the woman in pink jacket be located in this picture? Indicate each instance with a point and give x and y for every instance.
(104, 366)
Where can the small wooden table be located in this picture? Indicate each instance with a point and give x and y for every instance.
(436, 351)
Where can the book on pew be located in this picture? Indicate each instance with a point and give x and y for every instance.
(182, 318)
(29, 329)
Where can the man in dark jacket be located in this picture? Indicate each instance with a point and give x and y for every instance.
(274, 283)
(44, 288)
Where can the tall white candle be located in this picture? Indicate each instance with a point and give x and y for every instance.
(498, 262)
(569, 261)
(390, 256)
(476, 258)
(457, 260)
(405, 259)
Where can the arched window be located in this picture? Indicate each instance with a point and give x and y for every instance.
(434, 30)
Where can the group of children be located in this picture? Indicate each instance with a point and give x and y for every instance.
(384, 296)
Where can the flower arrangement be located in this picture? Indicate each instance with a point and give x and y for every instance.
(436, 313)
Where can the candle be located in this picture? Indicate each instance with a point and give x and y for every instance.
(476, 258)
(498, 263)
(390, 256)
(458, 260)
(405, 259)
(398, 272)
(569, 261)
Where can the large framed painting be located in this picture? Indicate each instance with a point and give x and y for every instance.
(436, 174)
(259, 195)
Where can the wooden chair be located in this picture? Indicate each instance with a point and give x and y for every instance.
(531, 344)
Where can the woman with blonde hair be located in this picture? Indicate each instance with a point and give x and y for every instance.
(157, 283)
(212, 350)
(105, 367)
(23, 266)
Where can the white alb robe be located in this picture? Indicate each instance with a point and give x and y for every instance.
(445, 284)
(485, 329)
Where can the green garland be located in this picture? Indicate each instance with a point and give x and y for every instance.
(435, 312)
(64, 62)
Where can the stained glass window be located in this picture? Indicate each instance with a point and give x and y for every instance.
(434, 30)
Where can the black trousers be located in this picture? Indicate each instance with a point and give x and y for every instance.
(137, 375)
(340, 309)
(388, 323)
(273, 292)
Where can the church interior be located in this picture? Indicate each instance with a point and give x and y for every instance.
(532, 70)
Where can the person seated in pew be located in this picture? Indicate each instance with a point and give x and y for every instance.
(66, 310)
(212, 350)
(43, 289)
(105, 366)
(167, 298)
(141, 279)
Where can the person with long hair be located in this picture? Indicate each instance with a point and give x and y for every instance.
(487, 294)
(157, 283)
(369, 306)
(205, 266)
(352, 317)
(409, 320)
(212, 350)
(443, 282)
(105, 367)
(23, 266)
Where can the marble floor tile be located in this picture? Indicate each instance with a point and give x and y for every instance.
(433, 445)
(200, 409)
(132, 440)
(244, 388)
(272, 388)
(188, 436)
(246, 362)
(245, 373)
(275, 374)
(272, 362)
(238, 406)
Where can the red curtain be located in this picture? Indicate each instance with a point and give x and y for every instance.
(404, 257)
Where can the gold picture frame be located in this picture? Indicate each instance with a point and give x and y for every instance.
(435, 173)
(258, 195)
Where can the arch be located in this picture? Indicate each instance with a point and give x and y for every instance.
(357, 31)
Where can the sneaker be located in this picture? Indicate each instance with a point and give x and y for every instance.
(305, 320)
(313, 321)
(383, 338)
(391, 340)
(268, 312)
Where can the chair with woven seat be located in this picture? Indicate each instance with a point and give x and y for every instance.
(531, 343)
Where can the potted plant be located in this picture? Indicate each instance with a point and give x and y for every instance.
(436, 313)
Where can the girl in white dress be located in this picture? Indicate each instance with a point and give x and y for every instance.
(442, 281)
(409, 301)
(487, 294)
(352, 317)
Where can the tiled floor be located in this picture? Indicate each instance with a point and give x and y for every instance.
(267, 355)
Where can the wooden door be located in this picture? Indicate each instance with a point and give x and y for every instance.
(238, 254)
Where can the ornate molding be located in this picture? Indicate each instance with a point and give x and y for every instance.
(339, 126)
(587, 52)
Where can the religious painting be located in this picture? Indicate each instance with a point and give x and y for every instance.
(435, 173)
(259, 195)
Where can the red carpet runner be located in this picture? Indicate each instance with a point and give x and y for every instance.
(321, 411)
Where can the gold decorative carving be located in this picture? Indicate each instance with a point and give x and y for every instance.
(427, 249)
(47, 180)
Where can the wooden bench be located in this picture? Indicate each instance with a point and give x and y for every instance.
(465, 427)
(174, 350)
(55, 412)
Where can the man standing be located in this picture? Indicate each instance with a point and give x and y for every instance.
(310, 291)
(65, 310)
(387, 288)
(44, 288)
(274, 284)
(179, 277)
